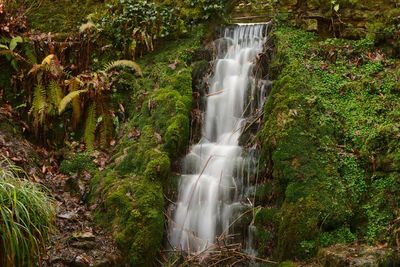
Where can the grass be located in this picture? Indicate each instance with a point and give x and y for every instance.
(26, 217)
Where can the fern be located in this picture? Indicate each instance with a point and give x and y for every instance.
(123, 63)
(106, 130)
(106, 125)
(68, 98)
(90, 127)
(55, 95)
(76, 103)
(47, 60)
(39, 104)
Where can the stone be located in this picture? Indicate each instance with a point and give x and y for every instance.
(310, 24)
(88, 236)
(84, 244)
(81, 261)
(70, 215)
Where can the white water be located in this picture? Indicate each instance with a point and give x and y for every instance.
(212, 190)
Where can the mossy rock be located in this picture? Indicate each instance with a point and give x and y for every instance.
(130, 191)
(329, 142)
(131, 208)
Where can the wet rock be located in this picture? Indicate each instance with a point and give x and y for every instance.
(70, 215)
(358, 255)
(81, 261)
(85, 244)
(310, 25)
(86, 236)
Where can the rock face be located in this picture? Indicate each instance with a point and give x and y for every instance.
(329, 148)
(341, 256)
(345, 18)
(350, 19)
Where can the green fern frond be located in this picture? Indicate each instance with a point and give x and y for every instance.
(39, 104)
(68, 98)
(55, 93)
(47, 60)
(123, 63)
(90, 127)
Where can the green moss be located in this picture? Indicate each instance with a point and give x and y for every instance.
(177, 131)
(158, 167)
(131, 208)
(287, 264)
(330, 128)
(130, 190)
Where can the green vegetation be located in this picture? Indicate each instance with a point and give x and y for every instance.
(130, 190)
(63, 17)
(77, 163)
(26, 217)
(76, 88)
(330, 138)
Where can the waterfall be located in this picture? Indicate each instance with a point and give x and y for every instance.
(213, 189)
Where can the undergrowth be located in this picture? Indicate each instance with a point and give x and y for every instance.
(330, 138)
(26, 217)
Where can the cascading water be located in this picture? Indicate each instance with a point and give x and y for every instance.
(214, 186)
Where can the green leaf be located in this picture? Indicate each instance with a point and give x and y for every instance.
(336, 7)
(3, 47)
(14, 42)
(123, 63)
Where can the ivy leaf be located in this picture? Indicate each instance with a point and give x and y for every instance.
(14, 42)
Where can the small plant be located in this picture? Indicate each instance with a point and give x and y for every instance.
(335, 5)
(26, 217)
(77, 164)
(91, 93)
(47, 92)
(8, 49)
(132, 23)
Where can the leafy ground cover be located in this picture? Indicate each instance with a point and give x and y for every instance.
(331, 140)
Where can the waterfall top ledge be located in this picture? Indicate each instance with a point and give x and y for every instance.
(249, 23)
(252, 23)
